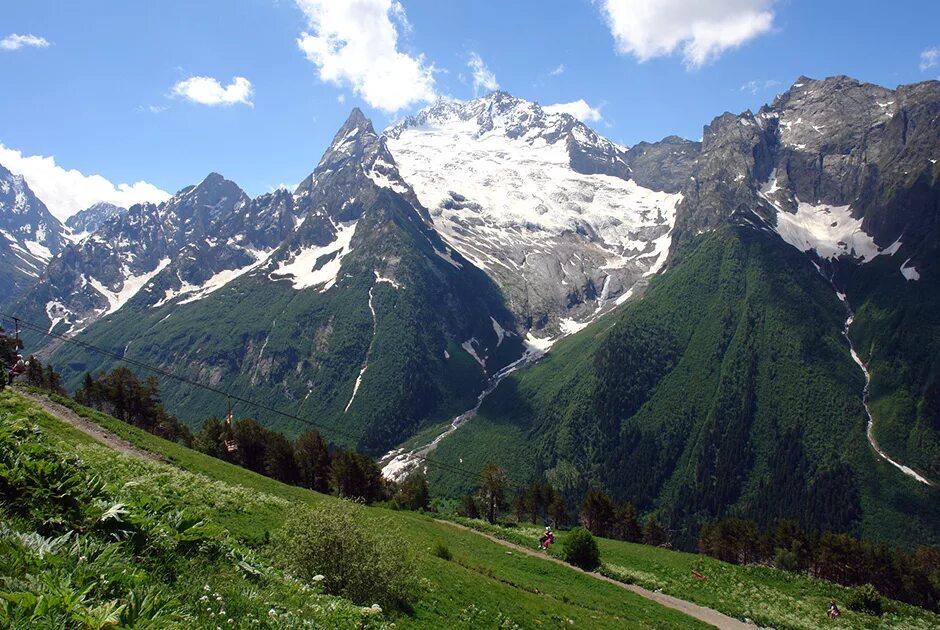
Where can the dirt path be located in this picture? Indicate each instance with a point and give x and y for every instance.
(709, 616)
(89, 428)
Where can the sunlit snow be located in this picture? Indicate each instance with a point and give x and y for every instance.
(909, 272)
(130, 287)
(301, 266)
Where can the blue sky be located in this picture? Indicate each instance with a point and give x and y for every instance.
(108, 87)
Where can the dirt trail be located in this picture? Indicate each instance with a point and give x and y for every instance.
(709, 616)
(89, 428)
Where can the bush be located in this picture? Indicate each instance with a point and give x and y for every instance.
(442, 551)
(864, 599)
(581, 550)
(359, 558)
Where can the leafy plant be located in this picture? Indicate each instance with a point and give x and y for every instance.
(865, 599)
(442, 551)
(366, 564)
(581, 550)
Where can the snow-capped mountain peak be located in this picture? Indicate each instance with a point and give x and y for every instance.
(538, 200)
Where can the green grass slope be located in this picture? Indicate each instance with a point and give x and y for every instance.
(483, 586)
(770, 598)
(727, 389)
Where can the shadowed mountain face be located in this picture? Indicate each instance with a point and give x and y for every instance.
(338, 302)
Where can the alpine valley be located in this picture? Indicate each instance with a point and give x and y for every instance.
(746, 325)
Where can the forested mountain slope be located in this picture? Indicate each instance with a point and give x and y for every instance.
(362, 318)
(728, 389)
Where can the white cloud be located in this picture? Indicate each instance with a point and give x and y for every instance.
(483, 79)
(701, 30)
(157, 109)
(65, 192)
(355, 43)
(208, 91)
(559, 69)
(756, 86)
(15, 42)
(929, 58)
(340, 98)
(579, 109)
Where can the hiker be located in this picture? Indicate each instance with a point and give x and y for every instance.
(17, 368)
(833, 610)
(546, 539)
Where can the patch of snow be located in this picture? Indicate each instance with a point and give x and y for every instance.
(493, 193)
(129, 288)
(38, 250)
(301, 265)
(468, 346)
(626, 296)
(446, 354)
(830, 231)
(537, 345)
(57, 312)
(909, 273)
(391, 281)
(499, 330)
(219, 280)
(365, 364)
(447, 256)
(570, 326)
(892, 249)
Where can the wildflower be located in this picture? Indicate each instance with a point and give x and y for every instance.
(318, 578)
(272, 613)
(206, 587)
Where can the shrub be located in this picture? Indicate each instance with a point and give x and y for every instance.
(442, 551)
(581, 550)
(359, 558)
(864, 599)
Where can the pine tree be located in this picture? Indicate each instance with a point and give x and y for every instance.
(414, 492)
(279, 458)
(557, 511)
(597, 512)
(653, 532)
(627, 524)
(313, 461)
(493, 485)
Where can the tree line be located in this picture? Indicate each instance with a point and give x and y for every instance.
(908, 576)
(308, 461)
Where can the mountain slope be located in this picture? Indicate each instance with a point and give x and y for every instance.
(360, 317)
(29, 235)
(719, 392)
(542, 203)
(86, 221)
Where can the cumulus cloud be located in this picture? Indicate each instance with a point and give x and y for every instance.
(929, 59)
(65, 192)
(483, 79)
(15, 42)
(356, 44)
(579, 109)
(208, 91)
(700, 30)
(559, 69)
